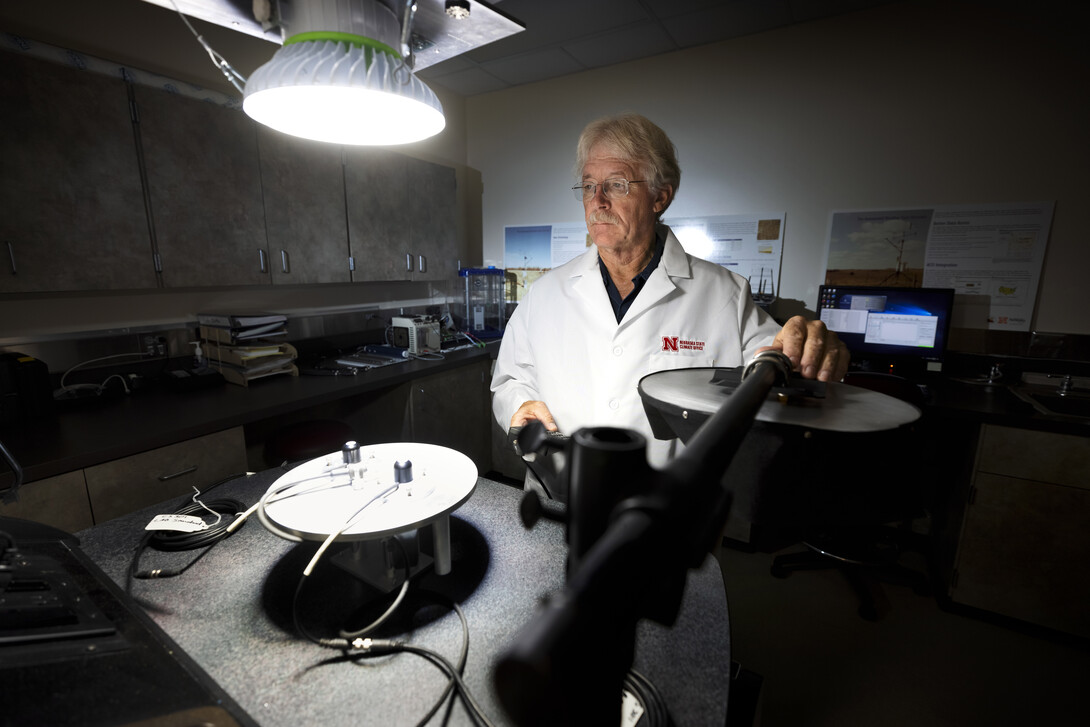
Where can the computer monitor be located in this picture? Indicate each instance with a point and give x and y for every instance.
(895, 330)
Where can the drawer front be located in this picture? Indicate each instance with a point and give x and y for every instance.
(1062, 459)
(59, 501)
(1022, 552)
(124, 485)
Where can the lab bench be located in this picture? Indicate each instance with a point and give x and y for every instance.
(86, 465)
(1005, 541)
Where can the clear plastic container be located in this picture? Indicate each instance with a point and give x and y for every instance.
(483, 311)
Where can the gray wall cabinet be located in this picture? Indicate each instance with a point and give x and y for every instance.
(432, 236)
(112, 186)
(204, 182)
(73, 212)
(303, 186)
(401, 216)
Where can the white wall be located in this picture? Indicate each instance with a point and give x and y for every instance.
(903, 105)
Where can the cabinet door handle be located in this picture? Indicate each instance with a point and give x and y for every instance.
(263, 261)
(409, 262)
(284, 264)
(11, 255)
(186, 471)
(351, 264)
(423, 264)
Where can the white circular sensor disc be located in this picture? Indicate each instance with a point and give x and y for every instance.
(317, 498)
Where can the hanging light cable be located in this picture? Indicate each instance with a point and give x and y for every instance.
(338, 78)
(228, 71)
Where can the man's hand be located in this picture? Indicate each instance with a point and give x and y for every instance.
(815, 351)
(531, 411)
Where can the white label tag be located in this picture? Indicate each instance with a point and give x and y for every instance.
(631, 709)
(178, 523)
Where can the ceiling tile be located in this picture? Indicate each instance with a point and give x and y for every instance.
(726, 21)
(625, 44)
(670, 8)
(466, 83)
(802, 10)
(536, 66)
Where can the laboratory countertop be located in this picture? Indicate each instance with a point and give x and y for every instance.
(961, 399)
(78, 438)
(75, 438)
(232, 613)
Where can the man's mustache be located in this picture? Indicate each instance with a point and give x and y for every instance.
(603, 217)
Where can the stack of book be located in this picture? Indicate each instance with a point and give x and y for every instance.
(248, 347)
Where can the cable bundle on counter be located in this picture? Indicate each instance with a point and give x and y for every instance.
(226, 511)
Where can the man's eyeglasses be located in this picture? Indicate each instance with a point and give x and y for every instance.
(611, 188)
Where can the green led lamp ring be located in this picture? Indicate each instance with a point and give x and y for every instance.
(360, 41)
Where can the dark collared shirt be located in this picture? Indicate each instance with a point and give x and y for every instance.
(620, 307)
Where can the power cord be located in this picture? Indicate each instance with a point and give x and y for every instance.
(65, 388)
(463, 655)
(443, 664)
(358, 645)
(346, 639)
(366, 648)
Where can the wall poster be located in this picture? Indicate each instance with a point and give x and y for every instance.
(750, 245)
(989, 250)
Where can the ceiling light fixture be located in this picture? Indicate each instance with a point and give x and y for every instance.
(458, 9)
(344, 75)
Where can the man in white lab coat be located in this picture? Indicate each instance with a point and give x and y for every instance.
(586, 332)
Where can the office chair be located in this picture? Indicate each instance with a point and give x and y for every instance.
(851, 513)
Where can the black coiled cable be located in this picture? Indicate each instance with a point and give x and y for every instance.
(227, 509)
(655, 713)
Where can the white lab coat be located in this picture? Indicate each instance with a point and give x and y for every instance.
(563, 345)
